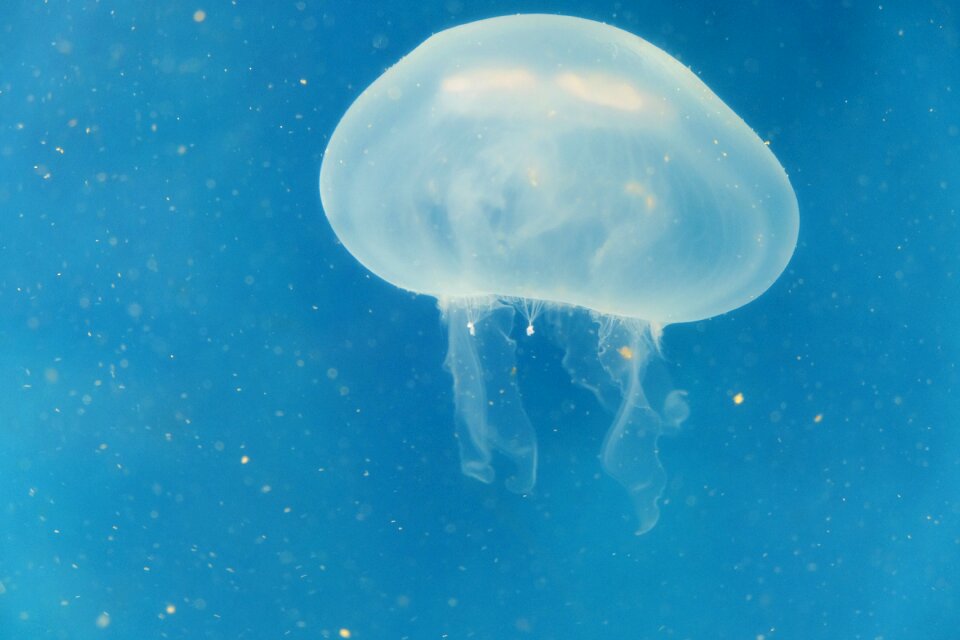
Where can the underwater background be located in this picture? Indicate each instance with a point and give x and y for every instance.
(214, 423)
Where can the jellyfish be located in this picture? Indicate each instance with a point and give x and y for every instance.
(573, 173)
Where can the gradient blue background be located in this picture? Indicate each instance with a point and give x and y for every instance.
(172, 299)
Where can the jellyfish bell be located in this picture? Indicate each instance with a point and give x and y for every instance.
(539, 162)
(559, 159)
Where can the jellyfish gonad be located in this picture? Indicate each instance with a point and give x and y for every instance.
(547, 162)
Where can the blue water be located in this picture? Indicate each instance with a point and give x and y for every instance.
(215, 424)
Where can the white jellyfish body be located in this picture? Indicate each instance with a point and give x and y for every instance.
(554, 160)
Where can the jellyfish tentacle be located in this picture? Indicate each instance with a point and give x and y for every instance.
(489, 410)
(469, 392)
(570, 326)
(630, 454)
